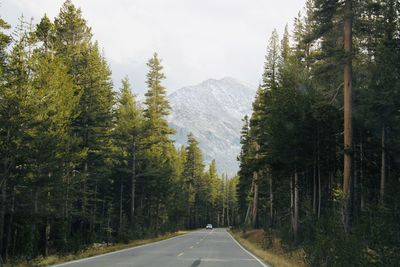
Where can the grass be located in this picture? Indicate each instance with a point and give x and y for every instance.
(276, 255)
(91, 251)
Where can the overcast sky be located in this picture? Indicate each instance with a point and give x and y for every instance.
(197, 39)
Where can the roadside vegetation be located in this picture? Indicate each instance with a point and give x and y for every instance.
(319, 164)
(94, 250)
(271, 250)
(82, 162)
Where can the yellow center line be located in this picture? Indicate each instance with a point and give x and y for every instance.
(180, 254)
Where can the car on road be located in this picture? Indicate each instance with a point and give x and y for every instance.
(209, 226)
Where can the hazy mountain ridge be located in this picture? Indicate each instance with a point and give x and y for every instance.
(213, 111)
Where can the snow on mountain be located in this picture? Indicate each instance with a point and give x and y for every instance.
(213, 112)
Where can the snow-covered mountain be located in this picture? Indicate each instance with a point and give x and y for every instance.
(213, 112)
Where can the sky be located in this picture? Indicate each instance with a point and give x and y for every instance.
(196, 39)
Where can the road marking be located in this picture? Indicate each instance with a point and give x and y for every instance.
(118, 251)
(180, 254)
(248, 252)
(197, 243)
(191, 247)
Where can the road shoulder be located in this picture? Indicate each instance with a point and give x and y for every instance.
(271, 257)
(247, 250)
(95, 252)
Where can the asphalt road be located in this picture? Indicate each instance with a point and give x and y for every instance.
(211, 248)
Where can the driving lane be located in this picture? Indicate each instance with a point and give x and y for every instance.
(208, 248)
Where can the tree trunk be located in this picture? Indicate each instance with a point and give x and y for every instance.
(291, 204)
(383, 166)
(2, 215)
(223, 213)
(84, 200)
(227, 215)
(93, 223)
(66, 208)
(3, 201)
(271, 204)
(121, 191)
(347, 75)
(48, 227)
(249, 207)
(133, 181)
(255, 201)
(157, 218)
(35, 224)
(47, 237)
(319, 181)
(362, 201)
(314, 204)
(296, 206)
(10, 225)
(356, 165)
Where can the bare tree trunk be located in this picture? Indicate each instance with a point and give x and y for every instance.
(296, 206)
(2, 214)
(47, 238)
(314, 204)
(362, 202)
(3, 201)
(66, 208)
(66, 204)
(227, 215)
(383, 166)
(93, 223)
(355, 187)
(319, 180)
(249, 207)
(347, 172)
(121, 191)
(133, 181)
(10, 224)
(35, 224)
(255, 201)
(271, 205)
(48, 227)
(157, 217)
(223, 213)
(292, 203)
(84, 199)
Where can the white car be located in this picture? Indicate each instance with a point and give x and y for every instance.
(209, 226)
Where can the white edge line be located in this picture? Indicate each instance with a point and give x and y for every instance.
(248, 252)
(115, 252)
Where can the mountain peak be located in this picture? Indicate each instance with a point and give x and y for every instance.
(213, 110)
(224, 80)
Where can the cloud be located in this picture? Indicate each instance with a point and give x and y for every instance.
(197, 39)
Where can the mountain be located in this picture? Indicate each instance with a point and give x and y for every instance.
(213, 112)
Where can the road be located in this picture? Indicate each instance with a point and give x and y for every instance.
(210, 248)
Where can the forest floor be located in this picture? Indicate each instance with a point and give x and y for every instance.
(275, 255)
(94, 250)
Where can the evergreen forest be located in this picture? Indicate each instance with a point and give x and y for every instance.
(83, 162)
(320, 158)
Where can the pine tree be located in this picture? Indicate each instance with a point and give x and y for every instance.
(92, 119)
(4, 135)
(270, 74)
(157, 143)
(193, 172)
(127, 134)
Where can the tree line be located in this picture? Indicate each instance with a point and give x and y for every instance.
(84, 163)
(319, 164)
